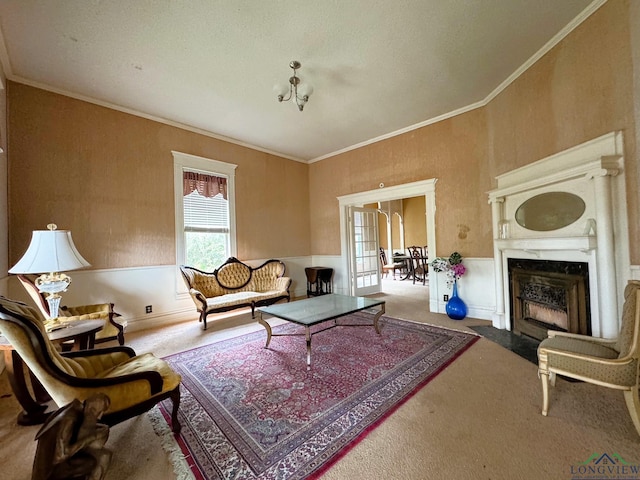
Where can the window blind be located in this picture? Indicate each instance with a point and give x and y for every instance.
(202, 214)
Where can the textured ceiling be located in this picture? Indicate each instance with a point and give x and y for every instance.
(376, 67)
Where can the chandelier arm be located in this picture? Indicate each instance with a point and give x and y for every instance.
(282, 98)
(294, 80)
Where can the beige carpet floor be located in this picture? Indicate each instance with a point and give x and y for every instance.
(479, 419)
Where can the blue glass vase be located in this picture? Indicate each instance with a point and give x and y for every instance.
(456, 308)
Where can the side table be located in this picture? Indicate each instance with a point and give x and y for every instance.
(83, 334)
(318, 280)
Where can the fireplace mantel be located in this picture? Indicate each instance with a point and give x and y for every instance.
(593, 171)
(582, 243)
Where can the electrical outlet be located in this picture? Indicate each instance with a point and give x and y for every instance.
(445, 298)
(148, 309)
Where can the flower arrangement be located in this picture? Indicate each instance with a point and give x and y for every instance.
(452, 266)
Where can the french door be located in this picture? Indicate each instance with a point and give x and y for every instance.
(364, 251)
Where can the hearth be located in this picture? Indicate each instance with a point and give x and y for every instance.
(549, 295)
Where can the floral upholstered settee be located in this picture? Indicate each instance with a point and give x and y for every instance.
(236, 285)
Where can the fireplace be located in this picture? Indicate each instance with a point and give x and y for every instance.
(569, 208)
(549, 295)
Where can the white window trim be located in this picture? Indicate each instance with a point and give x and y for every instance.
(183, 161)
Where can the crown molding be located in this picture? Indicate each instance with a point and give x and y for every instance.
(586, 13)
(5, 64)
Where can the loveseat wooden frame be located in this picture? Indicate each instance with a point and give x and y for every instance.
(224, 284)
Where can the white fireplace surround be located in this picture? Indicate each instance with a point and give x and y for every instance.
(595, 172)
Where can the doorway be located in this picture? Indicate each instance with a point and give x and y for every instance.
(424, 188)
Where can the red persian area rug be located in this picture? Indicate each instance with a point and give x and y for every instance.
(253, 413)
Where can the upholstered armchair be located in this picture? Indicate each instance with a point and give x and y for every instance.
(113, 329)
(608, 363)
(134, 383)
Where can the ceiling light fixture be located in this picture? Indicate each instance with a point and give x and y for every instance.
(301, 98)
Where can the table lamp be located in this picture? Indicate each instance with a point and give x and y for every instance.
(50, 252)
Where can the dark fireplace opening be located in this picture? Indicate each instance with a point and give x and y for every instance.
(548, 295)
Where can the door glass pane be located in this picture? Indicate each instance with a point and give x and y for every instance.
(365, 251)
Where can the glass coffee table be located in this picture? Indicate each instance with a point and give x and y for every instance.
(316, 310)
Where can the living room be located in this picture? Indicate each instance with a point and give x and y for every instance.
(107, 174)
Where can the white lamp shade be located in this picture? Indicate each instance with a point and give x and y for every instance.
(50, 251)
(305, 89)
(281, 89)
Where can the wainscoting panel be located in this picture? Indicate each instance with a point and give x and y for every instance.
(476, 288)
(131, 289)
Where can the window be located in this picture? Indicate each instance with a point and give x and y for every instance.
(206, 220)
(205, 213)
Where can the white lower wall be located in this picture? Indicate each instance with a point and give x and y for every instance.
(131, 289)
(476, 288)
(340, 279)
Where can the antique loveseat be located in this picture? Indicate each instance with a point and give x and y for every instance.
(236, 285)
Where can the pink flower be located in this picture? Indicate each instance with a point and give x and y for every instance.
(452, 267)
(458, 269)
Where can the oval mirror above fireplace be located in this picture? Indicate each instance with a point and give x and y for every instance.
(550, 211)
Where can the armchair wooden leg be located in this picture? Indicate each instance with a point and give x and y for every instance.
(33, 412)
(175, 399)
(633, 404)
(544, 378)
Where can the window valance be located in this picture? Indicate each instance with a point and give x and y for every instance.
(207, 185)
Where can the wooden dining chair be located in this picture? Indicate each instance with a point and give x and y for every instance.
(425, 256)
(390, 267)
(418, 263)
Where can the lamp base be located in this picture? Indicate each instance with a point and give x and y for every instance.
(52, 284)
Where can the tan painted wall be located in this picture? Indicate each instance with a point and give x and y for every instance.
(581, 89)
(454, 151)
(413, 211)
(382, 231)
(4, 213)
(395, 232)
(108, 177)
(415, 221)
(633, 190)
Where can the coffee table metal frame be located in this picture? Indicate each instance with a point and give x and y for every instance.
(316, 310)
